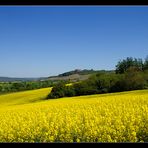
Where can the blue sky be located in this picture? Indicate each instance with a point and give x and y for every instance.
(38, 41)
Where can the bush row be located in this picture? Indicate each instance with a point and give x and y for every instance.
(132, 79)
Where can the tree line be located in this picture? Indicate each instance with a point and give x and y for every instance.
(130, 74)
(6, 87)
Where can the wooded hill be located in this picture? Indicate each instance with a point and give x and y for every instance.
(78, 74)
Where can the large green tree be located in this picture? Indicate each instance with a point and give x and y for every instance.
(145, 65)
(124, 65)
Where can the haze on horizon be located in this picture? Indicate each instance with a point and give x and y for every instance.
(41, 41)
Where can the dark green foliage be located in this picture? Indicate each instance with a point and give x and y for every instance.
(69, 91)
(78, 87)
(130, 75)
(84, 88)
(1, 88)
(103, 83)
(145, 65)
(123, 65)
(118, 83)
(134, 79)
(57, 91)
(145, 76)
(61, 90)
(21, 86)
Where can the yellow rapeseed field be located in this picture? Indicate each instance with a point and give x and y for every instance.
(118, 117)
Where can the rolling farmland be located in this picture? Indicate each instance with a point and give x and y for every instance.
(117, 117)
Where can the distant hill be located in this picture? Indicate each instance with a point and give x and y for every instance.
(74, 75)
(10, 79)
(77, 74)
(78, 71)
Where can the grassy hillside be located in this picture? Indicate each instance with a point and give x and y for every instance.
(116, 117)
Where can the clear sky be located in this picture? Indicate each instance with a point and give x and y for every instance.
(38, 41)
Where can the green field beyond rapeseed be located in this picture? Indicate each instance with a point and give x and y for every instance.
(119, 117)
